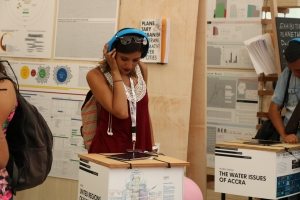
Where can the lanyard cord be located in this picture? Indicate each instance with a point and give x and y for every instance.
(132, 108)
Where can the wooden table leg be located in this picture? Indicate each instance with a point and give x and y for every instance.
(223, 196)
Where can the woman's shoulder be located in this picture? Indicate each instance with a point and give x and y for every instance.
(94, 73)
(96, 77)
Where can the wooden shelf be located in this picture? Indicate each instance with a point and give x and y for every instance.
(266, 21)
(283, 10)
(265, 78)
(262, 114)
(265, 92)
(286, 3)
(210, 171)
(266, 82)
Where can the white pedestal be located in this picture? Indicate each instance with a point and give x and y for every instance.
(101, 178)
(257, 171)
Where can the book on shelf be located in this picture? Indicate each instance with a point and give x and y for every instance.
(261, 52)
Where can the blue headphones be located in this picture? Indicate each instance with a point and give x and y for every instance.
(295, 40)
(129, 31)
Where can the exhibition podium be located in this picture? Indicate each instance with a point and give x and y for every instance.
(257, 170)
(103, 178)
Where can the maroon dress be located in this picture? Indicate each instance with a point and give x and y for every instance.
(120, 141)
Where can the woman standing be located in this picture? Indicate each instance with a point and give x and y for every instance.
(119, 86)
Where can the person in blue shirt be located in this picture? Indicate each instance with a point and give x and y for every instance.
(292, 56)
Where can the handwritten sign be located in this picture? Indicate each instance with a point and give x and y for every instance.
(153, 29)
(287, 29)
(157, 31)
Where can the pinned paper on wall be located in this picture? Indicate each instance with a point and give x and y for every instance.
(158, 31)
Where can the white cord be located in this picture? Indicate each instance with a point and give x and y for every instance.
(109, 127)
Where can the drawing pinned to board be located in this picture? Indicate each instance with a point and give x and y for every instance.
(8, 42)
(158, 32)
(43, 74)
(232, 104)
(233, 56)
(50, 75)
(2, 42)
(84, 28)
(26, 12)
(26, 28)
(225, 47)
(25, 72)
(234, 10)
(229, 95)
(62, 74)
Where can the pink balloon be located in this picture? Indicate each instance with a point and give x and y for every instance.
(191, 191)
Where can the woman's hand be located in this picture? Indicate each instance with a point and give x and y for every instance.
(110, 58)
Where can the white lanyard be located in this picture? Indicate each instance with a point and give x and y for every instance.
(132, 108)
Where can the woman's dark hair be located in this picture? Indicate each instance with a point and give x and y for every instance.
(292, 51)
(130, 48)
(127, 48)
(127, 36)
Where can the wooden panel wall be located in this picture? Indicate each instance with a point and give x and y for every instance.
(169, 86)
(198, 133)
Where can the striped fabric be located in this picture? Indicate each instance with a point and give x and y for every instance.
(89, 121)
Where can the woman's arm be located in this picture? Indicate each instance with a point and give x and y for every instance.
(114, 99)
(8, 102)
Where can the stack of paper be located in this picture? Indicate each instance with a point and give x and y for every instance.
(261, 52)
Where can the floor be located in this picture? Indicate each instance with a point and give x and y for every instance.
(211, 195)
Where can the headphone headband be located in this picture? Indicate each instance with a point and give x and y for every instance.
(295, 40)
(128, 31)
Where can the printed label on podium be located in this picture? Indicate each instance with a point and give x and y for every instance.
(101, 177)
(260, 171)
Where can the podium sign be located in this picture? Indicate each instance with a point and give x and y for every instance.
(103, 178)
(269, 172)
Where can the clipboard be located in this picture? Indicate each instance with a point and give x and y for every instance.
(262, 142)
(130, 156)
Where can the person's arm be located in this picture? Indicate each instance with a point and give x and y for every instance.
(114, 99)
(275, 117)
(7, 104)
(277, 102)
